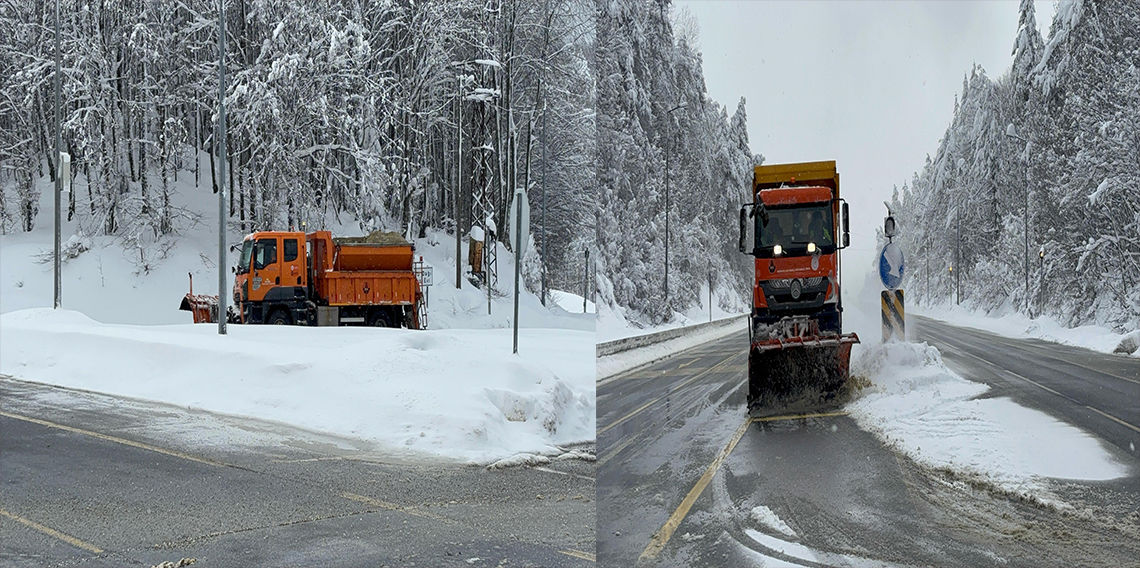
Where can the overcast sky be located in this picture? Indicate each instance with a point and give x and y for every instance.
(870, 85)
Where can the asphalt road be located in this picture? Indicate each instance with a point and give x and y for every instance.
(683, 474)
(94, 480)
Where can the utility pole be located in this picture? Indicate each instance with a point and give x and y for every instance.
(222, 171)
(58, 164)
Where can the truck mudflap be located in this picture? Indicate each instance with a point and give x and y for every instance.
(793, 366)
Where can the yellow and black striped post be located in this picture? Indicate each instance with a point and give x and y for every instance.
(894, 323)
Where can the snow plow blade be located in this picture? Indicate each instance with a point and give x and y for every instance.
(798, 373)
(203, 307)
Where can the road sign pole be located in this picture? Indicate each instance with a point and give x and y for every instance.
(518, 262)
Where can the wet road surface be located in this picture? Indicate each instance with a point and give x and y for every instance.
(94, 480)
(685, 476)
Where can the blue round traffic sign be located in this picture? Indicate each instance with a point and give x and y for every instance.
(891, 266)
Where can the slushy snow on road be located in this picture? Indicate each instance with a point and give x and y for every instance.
(932, 415)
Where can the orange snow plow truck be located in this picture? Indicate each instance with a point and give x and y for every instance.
(295, 278)
(797, 349)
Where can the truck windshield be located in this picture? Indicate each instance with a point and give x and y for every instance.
(796, 227)
(246, 252)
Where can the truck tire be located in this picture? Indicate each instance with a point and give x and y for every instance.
(380, 318)
(278, 317)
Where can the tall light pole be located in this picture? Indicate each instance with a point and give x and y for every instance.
(222, 171)
(958, 246)
(458, 177)
(668, 162)
(58, 163)
(543, 291)
(1011, 132)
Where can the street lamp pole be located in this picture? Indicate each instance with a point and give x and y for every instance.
(1011, 132)
(668, 163)
(458, 177)
(58, 164)
(958, 243)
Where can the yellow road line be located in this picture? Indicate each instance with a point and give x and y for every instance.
(662, 397)
(370, 501)
(579, 554)
(1111, 417)
(411, 510)
(610, 454)
(657, 543)
(52, 532)
(799, 416)
(117, 440)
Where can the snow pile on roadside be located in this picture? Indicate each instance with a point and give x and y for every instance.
(764, 516)
(1017, 324)
(930, 414)
(449, 393)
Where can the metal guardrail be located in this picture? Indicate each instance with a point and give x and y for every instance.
(627, 343)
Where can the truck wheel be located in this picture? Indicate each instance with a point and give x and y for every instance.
(379, 319)
(278, 317)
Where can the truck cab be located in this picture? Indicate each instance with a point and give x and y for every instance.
(795, 216)
(271, 283)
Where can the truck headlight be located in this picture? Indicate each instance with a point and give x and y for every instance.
(811, 247)
(777, 250)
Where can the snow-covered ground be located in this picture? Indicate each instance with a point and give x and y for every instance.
(924, 410)
(1016, 324)
(571, 302)
(452, 391)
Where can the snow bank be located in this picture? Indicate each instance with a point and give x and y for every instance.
(1016, 324)
(449, 393)
(921, 408)
(765, 517)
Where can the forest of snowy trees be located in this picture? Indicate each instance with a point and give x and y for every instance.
(343, 110)
(655, 119)
(1073, 101)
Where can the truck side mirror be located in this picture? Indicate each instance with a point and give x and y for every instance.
(846, 226)
(743, 226)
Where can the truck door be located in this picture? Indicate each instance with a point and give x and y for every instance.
(266, 268)
(293, 262)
